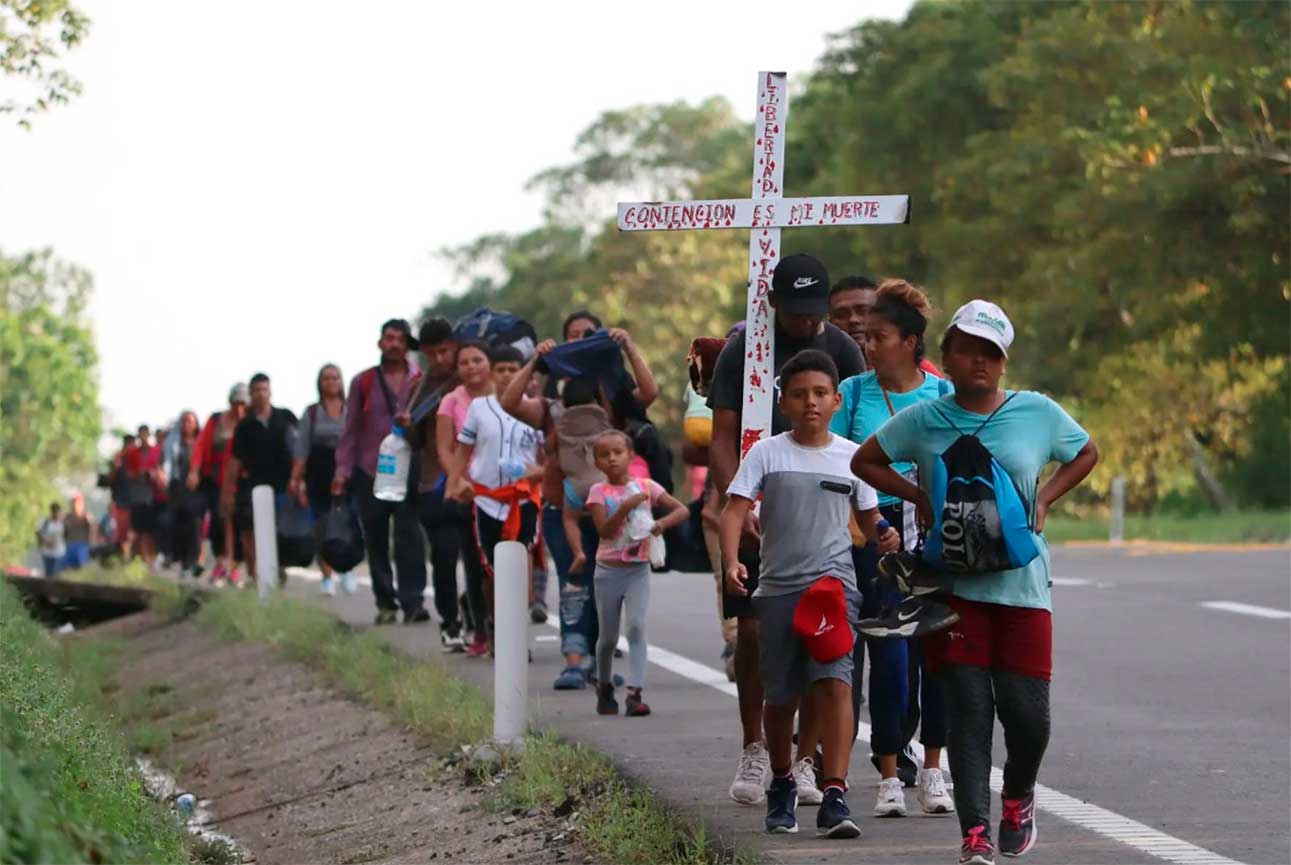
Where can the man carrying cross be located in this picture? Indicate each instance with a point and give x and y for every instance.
(800, 297)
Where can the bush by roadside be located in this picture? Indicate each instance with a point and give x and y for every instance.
(70, 792)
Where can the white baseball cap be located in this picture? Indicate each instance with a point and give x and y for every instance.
(985, 319)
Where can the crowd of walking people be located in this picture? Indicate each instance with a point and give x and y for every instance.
(896, 509)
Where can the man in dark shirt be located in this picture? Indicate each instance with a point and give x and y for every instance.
(441, 518)
(262, 454)
(800, 297)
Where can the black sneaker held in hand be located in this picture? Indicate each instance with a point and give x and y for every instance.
(913, 617)
(911, 575)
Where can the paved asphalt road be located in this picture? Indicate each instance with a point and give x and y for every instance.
(1165, 712)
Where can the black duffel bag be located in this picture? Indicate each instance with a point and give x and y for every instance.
(295, 526)
(341, 537)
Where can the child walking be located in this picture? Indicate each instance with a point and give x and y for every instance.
(621, 508)
(806, 598)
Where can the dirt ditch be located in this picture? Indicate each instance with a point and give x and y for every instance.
(298, 773)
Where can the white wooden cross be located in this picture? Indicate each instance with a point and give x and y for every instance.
(765, 212)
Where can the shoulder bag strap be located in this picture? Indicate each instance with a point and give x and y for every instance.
(992, 415)
(891, 411)
(385, 389)
(938, 410)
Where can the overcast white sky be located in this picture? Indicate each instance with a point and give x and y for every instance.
(257, 185)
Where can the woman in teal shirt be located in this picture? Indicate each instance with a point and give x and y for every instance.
(998, 658)
(902, 695)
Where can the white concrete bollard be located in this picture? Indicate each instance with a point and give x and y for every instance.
(1116, 525)
(266, 532)
(510, 642)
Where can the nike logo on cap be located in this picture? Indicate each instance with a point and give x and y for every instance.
(904, 617)
(805, 282)
(823, 627)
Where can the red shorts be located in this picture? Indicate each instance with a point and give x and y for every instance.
(1018, 639)
(122, 517)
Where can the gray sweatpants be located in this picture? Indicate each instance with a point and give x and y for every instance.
(622, 595)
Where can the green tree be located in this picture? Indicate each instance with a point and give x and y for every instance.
(1116, 175)
(49, 409)
(666, 287)
(33, 36)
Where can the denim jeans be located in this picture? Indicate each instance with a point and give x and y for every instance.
(578, 624)
(78, 555)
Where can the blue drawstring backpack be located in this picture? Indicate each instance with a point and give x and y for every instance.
(497, 328)
(980, 519)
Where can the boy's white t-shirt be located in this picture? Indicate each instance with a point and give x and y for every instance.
(807, 497)
(503, 447)
(52, 536)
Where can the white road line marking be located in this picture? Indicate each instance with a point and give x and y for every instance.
(1247, 609)
(1088, 816)
(1069, 581)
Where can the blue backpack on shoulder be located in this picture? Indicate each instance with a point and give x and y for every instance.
(980, 519)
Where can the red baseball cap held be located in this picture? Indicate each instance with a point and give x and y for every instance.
(820, 620)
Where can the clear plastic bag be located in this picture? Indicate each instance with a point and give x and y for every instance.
(658, 551)
(640, 520)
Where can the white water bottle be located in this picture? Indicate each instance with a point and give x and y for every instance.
(393, 459)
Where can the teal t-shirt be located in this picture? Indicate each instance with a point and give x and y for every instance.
(1026, 435)
(864, 410)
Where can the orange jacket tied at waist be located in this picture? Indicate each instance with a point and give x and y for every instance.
(513, 495)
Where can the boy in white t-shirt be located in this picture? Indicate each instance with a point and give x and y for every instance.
(51, 537)
(806, 599)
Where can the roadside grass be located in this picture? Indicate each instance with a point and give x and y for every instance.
(617, 822)
(1235, 527)
(70, 792)
(426, 697)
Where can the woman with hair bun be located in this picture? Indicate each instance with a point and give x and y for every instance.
(902, 695)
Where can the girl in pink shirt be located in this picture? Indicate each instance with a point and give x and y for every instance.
(622, 508)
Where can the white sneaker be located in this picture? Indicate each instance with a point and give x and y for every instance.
(891, 799)
(752, 775)
(347, 583)
(933, 795)
(327, 586)
(804, 775)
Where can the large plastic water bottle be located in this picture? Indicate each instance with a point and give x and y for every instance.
(393, 459)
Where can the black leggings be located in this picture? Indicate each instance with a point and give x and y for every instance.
(216, 531)
(485, 534)
(186, 535)
(974, 695)
(443, 521)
